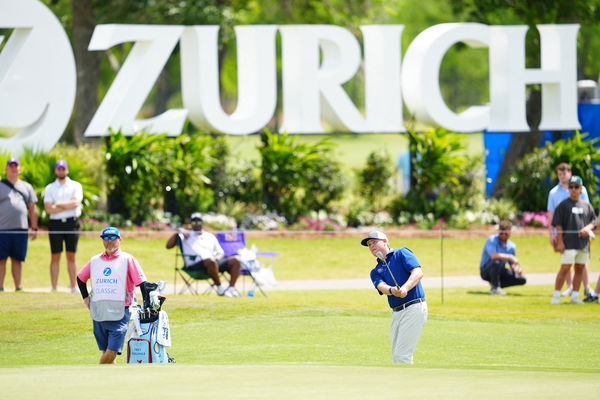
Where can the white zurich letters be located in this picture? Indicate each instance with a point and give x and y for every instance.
(124, 99)
(38, 78)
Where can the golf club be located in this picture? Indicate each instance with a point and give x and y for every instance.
(382, 258)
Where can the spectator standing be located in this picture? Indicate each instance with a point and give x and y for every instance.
(114, 274)
(398, 275)
(498, 251)
(202, 251)
(557, 194)
(17, 201)
(574, 220)
(62, 201)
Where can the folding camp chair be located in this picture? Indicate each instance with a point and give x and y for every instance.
(193, 276)
(232, 244)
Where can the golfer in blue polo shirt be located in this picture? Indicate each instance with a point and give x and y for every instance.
(398, 275)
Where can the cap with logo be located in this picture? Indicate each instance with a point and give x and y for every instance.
(61, 163)
(110, 231)
(576, 180)
(12, 160)
(373, 235)
(196, 216)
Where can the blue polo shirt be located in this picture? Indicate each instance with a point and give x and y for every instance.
(401, 261)
(492, 245)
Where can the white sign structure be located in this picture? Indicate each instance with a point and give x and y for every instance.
(37, 77)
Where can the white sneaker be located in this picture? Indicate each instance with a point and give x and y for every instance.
(567, 292)
(498, 291)
(576, 300)
(221, 290)
(555, 300)
(232, 292)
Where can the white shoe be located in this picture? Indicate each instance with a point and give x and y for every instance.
(232, 292)
(576, 300)
(555, 300)
(221, 290)
(498, 291)
(567, 292)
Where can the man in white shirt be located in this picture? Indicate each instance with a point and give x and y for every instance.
(62, 201)
(202, 251)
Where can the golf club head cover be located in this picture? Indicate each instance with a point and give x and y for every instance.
(146, 288)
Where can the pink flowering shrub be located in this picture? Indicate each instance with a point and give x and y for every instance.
(537, 219)
(315, 224)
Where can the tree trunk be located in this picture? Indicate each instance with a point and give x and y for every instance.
(164, 90)
(88, 67)
(521, 143)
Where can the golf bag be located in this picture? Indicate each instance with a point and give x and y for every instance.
(149, 335)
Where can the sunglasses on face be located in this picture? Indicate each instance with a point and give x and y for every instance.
(573, 186)
(503, 233)
(112, 237)
(564, 169)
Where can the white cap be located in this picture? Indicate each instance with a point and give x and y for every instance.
(373, 235)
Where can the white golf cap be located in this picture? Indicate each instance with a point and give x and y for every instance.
(373, 235)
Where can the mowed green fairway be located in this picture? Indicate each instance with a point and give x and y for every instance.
(305, 257)
(312, 344)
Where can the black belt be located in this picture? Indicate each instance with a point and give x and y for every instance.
(408, 303)
(65, 220)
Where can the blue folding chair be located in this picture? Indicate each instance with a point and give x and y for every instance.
(234, 241)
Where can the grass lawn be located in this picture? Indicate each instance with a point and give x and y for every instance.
(317, 344)
(351, 150)
(316, 258)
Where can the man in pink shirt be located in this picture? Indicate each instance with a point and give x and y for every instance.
(113, 276)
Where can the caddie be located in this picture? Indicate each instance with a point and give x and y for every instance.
(398, 275)
(114, 274)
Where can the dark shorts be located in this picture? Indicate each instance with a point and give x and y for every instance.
(199, 266)
(64, 235)
(111, 334)
(14, 244)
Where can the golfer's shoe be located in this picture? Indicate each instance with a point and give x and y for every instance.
(555, 300)
(567, 292)
(498, 291)
(576, 300)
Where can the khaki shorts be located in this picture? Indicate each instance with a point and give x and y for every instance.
(575, 257)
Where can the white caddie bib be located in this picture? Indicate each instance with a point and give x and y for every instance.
(109, 285)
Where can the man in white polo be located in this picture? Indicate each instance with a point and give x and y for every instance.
(398, 275)
(62, 201)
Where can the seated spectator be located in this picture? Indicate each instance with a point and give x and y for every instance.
(202, 251)
(497, 252)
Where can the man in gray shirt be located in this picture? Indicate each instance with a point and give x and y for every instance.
(17, 199)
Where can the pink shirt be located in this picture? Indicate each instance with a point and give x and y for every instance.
(135, 274)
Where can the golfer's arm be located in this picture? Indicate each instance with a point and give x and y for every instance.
(384, 288)
(415, 276)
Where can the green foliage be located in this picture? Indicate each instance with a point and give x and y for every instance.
(372, 180)
(298, 177)
(445, 178)
(142, 168)
(534, 175)
(37, 168)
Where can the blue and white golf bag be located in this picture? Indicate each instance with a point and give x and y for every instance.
(148, 335)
